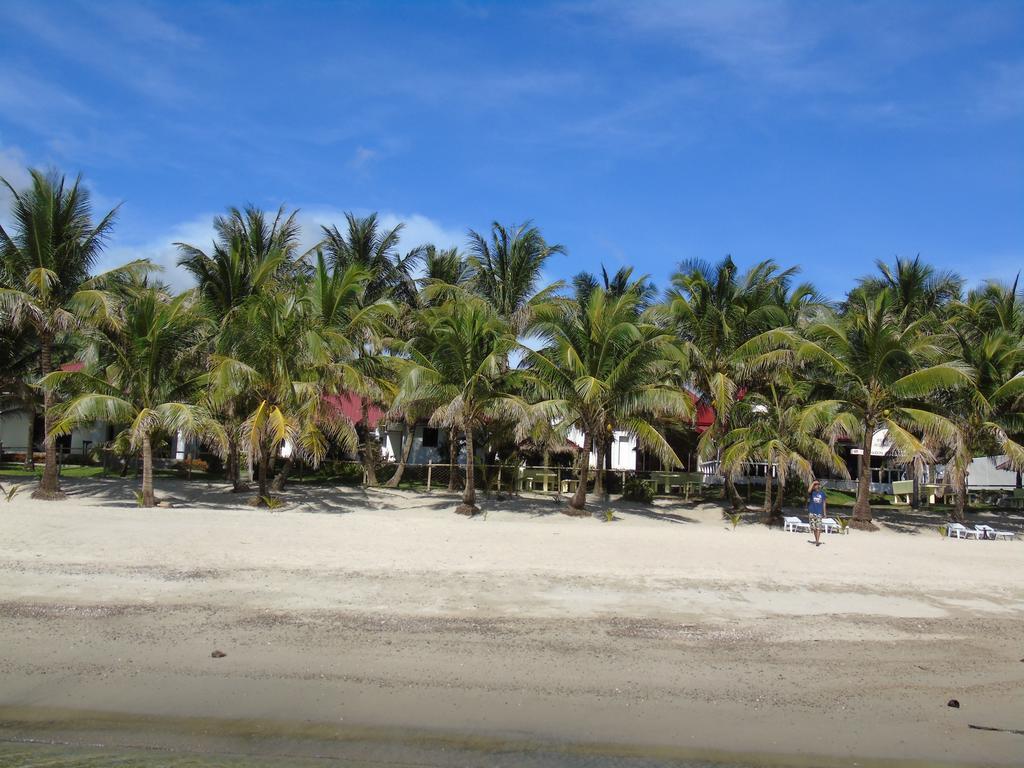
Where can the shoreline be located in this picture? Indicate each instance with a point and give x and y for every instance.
(663, 630)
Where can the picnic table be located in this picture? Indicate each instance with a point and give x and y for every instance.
(670, 480)
(904, 489)
(532, 478)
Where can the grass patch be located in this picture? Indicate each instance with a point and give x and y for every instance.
(71, 470)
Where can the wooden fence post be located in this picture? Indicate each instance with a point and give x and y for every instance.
(430, 471)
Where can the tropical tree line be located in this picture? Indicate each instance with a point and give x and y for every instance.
(476, 342)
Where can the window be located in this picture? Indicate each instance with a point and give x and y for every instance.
(429, 437)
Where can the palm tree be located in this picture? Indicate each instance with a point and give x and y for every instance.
(508, 269)
(446, 276)
(340, 321)
(368, 245)
(722, 318)
(990, 415)
(251, 254)
(621, 282)
(281, 359)
(457, 372)
(779, 429)
(614, 286)
(602, 365)
(148, 377)
(45, 281)
(877, 371)
(917, 289)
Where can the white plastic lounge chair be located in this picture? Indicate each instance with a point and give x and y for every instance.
(830, 525)
(959, 531)
(795, 524)
(988, 532)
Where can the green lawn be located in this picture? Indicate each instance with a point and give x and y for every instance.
(75, 470)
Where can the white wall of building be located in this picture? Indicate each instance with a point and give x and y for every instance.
(391, 446)
(623, 450)
(14, 433)
(983, 473)
(14, 430)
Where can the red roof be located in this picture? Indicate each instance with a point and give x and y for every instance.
(351, 407)
(706, 414)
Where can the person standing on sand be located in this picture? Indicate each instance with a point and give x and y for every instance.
(816, 503)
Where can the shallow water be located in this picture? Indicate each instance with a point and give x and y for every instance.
(38, 756)
(35, 737)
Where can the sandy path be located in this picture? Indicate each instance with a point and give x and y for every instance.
(384, 610)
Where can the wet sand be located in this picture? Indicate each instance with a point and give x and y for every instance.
(381, 619)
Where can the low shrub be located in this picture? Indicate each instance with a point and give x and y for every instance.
(346, 472)
(194, 464)
(636, 489)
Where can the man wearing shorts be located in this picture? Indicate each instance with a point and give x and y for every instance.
(816, 510)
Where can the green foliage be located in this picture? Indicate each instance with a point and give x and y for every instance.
(638, 490)
(943, 530)
(844, 523)
(605, 364)
(261, 351)
(345, 472)
(735, 518)
(10, 491)
(140, 499)
(193, 464)
(609, 515)
(272, 502)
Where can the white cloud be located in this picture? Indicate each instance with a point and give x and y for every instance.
(362, 157)
(14, 169)
(162, 251)
(1001, 93)
(421, 230)
(198, 231)
(417, 230)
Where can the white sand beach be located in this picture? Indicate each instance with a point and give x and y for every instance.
(661, 630)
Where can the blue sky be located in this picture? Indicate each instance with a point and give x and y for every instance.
(824, 134)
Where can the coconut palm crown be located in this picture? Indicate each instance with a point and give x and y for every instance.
(46, 282)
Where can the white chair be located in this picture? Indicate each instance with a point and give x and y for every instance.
(830, 525)
(988, 532)
(959, 531)
(795, 524)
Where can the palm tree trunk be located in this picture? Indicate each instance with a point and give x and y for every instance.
(738, 504)
(960, 488)
(29, 452)
(578, 503)
(862, 507)
(453, 456)
(148, 497)
(264, 471)
(49, 486)
(403, 459)
(768, 490)
(468, 505)
(282, 477)
(369, 461)
(599, 464)
(776, 509)
(234, 462)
